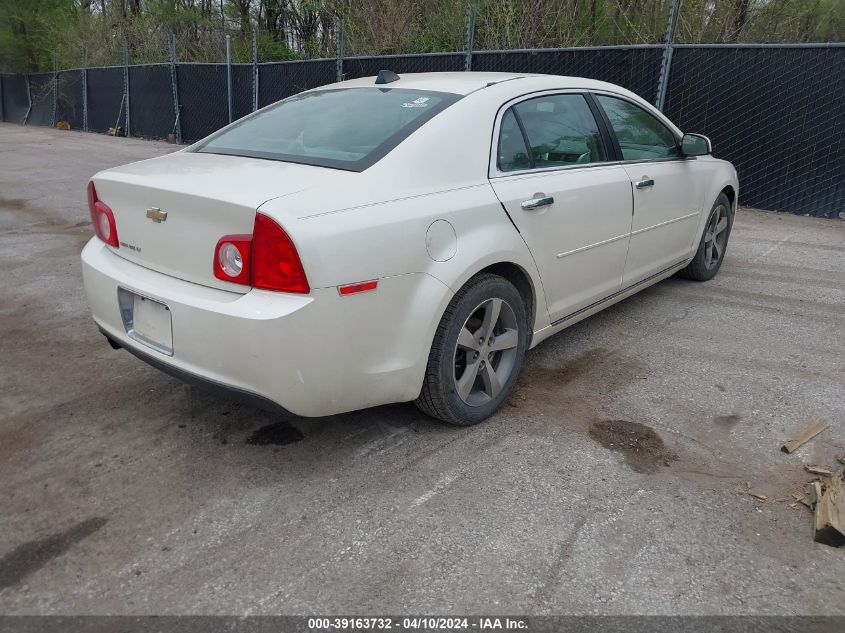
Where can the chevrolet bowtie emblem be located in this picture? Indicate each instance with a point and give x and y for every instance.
(157, 215)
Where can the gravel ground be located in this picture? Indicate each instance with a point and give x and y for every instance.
(616, 481)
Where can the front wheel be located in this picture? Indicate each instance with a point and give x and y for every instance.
(477, 352)
(714, 242)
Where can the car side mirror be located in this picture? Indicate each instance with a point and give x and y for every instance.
(696, 145)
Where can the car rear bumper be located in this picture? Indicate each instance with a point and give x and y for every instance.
(227, 391)
(312, 355)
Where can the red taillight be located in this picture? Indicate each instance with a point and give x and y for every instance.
(266, 259)
(275, 262)
(102, 218)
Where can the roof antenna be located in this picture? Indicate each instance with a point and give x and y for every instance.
(386, 77)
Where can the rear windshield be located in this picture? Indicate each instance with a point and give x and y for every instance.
(346, 128)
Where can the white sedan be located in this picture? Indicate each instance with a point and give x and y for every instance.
(398, 239)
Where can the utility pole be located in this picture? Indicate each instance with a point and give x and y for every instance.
(254, 71)
(229, 76)
(338, 34)
(668, 49)
(85, 88)
(174, 85)
(470, 36)
(126, 85)
(55, 90)
(28, 99)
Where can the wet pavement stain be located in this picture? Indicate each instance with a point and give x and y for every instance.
(32, 556)
(17, 204)
(582, 365)
(726, 421)
(278, 434)
(600, 366)
(643, 449)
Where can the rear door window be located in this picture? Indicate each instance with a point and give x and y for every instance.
(560, 131)
(346, 128)
(513, 154)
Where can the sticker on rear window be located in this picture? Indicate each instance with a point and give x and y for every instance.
(417, 103)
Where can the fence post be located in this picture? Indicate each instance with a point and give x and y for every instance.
(229, 75)
(28, 100)
(470, 36)
(55, 114)
(668, 49)
(174, 85)
(254, 71)
(85, 88)
(338, 35)
(126, 85)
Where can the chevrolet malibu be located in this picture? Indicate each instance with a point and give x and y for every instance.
(397, 239)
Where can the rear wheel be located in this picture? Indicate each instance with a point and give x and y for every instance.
(477, 352)
(714, 242)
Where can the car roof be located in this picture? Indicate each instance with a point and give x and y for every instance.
(464, 83)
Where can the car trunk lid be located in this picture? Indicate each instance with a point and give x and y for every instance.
(171, 211)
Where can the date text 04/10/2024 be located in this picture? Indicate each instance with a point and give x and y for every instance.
(417, 623)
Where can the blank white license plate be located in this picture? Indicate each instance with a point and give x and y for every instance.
(147, 321)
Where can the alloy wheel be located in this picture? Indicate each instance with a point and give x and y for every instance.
(715, 236)
(486, 352)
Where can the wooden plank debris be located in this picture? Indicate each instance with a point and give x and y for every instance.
(804, 436)
(815, 493)
(830, 511)
(818, 470)
(758, 495)
(802, 499)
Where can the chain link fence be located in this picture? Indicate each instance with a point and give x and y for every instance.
(775, 111)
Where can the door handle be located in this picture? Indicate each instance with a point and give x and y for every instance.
(539, 200)
(645, 182)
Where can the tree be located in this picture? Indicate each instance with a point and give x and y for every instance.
(31, 31)
(242, 8)
(740, 18)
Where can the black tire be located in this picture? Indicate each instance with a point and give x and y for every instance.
(439, 397)
(704, 265)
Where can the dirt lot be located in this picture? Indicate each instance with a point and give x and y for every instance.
(615, 482)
